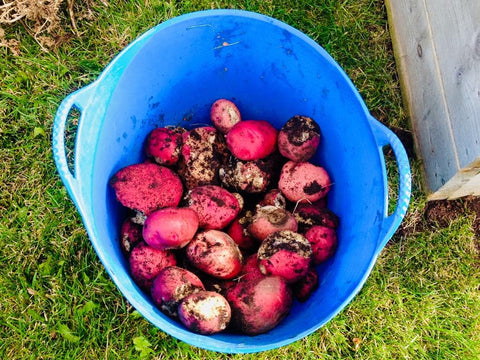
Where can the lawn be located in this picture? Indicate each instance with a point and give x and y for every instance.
(421, 301)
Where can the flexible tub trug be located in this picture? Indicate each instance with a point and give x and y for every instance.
(170, 76)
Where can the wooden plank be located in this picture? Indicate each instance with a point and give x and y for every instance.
(456, 36)
(469, 188)
(465, 182)
(421, 88)
(437, 50)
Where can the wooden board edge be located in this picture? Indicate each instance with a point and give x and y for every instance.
(404, 89)
(465, 183)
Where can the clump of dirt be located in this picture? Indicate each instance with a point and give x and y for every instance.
(440, 214)
(50, 22)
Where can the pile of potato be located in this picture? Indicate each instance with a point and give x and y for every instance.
(227, 222)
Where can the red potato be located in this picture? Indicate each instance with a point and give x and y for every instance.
(249, 176)
(203, 152)
(146, 263)
(274, 197)
(270, 219)
(164, 145)
(285, 253)
(303, 289)
(250, 268)
(210, 282)
(205, 312)
(259, 304)
(170, 228)
(147, 187)
(308, 215)
(224, 115)
(252, 139)
(253, 176)
(215, 206)
(303, 182)
(239, 233)
(130, 235)
(299, 138)
(215, 253)
(323, 240)
(171, 285)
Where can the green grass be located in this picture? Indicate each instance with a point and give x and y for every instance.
(422, 300)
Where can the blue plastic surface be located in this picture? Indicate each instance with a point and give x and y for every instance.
(170, 76)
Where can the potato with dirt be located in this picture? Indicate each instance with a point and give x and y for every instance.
(130, 235)
(215, 206)
(269, 219)
(215, 253)
(248, 176)
(298, 139)
(323, 240)
(239, 233)
(205, 312)
(285, 253)
(224, 114)
(304, 182)
(310, 214)
(146, 187)
(164, 145)
(171, 285)
(203, 152)
(146, 262)
(259, 304)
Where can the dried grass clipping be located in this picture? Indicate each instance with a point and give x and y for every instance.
(11, 44)
(43, 19)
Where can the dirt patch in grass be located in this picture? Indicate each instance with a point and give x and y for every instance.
(439, 214)
(442, 212)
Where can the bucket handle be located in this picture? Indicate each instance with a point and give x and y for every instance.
(384, 136)
(78, 100)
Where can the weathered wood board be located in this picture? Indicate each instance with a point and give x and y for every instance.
(437, 51)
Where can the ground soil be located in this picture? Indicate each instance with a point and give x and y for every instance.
(440, 213)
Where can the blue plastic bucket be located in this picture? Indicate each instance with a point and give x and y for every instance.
(170, 76)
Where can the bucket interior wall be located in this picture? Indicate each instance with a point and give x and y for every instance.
(271, 73)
